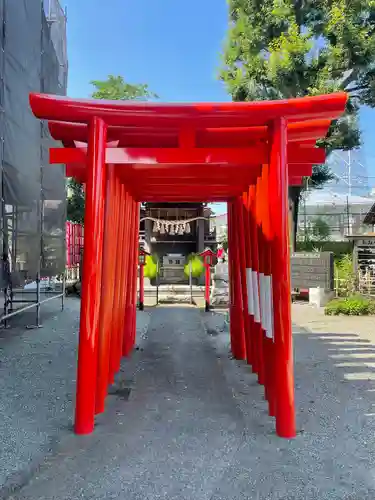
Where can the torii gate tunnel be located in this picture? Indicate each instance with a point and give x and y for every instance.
(245, 154)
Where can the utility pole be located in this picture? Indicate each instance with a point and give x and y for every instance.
(304, 211)
(349, 173)
(348, 215)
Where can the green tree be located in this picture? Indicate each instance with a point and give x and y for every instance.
(151, 266)
(224, 240)
(320, 230)
(113, 88)
(76, 202)
(280, 49)
(116, 89)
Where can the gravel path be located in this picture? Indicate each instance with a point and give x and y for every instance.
(37, 389)
(187, 422)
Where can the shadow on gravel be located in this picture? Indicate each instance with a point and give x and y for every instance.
(352, 359)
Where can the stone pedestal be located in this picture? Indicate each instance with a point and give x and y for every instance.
(220, 285)
(319, 297)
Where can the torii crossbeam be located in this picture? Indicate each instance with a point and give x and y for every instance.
(245, 154)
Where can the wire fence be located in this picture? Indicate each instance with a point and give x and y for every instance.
(333, 223)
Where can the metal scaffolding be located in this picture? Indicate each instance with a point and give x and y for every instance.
(33, 210)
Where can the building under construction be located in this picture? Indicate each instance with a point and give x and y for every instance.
(32, 58)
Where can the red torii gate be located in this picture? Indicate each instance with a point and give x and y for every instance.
(245, 154)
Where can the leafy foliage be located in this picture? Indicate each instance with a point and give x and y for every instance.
(151, 266)
(344, 275)
(288, 48)
(75, 202)
(354, 305)
(279, 49)
(224, 241)
(115, 88)
(339, 249)
(197, 266)
(320, 230)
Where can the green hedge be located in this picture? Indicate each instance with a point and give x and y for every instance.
(338, 248)
(355, 305)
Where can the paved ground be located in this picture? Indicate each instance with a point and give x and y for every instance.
(195, 424)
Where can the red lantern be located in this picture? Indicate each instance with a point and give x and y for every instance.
(208, 257)
(142, 256)
(141, 261)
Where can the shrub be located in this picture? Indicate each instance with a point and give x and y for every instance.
(197, 266)
(354, 305)
(344, 276)
(151, 266)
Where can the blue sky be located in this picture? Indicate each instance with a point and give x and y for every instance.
(172, 45)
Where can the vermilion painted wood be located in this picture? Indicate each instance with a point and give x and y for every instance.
(242, 274)
(141, 285)
(169, 138)
(141, 264)
(133, 311)
(136, 243)
(188, 191)
(123, 291)
(232, 315)
(190, 172)
(255, 268)
(115, 257)
(126, 318)
(235, 327)
(296, 180)
(184, 199)
(118, 113)
(240, 156)
(125, 337)
(127, 314)
(107, 293)
(207, 256)
(285, 409)
(259, 199)
(264, 224)
(261, 333)
(118, 283)
(217, 172)
(91, 284)
(181, 172)
(263, 235)
(239, 306)
(157, 177)
(248, 265)
(186, 153)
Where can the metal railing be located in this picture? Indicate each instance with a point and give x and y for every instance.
(366, 283)
(54, 291)
(57, 19)
(363, 283)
